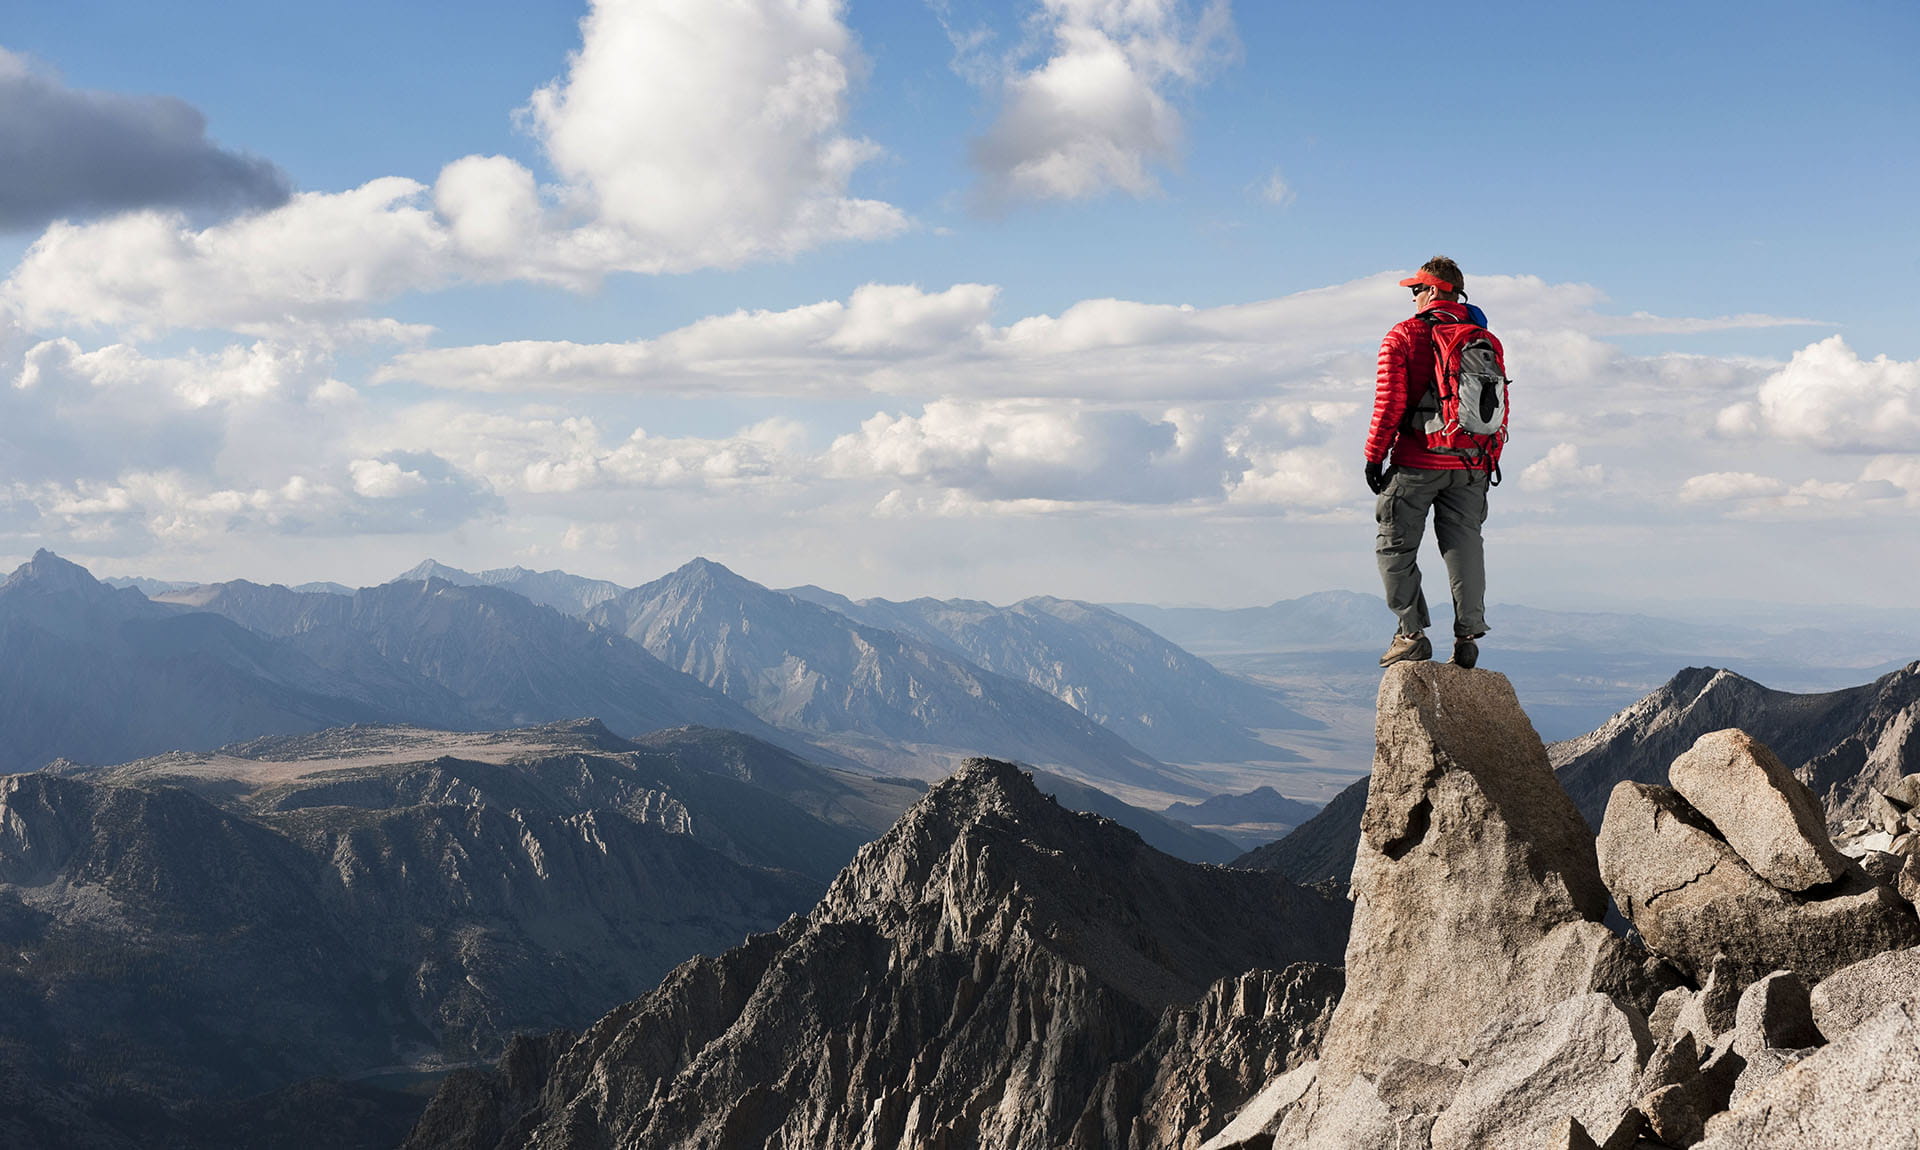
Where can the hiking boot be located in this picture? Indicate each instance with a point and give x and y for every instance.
(1407, 647)
(1466, 652)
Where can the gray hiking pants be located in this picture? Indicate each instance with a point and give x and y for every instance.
(1459, 503)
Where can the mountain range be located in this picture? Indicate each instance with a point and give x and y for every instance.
(876, 695)
(1154, 694)
(1110, 669)
(187, 931)
(211, 948)
(474, 657)
(206, 665)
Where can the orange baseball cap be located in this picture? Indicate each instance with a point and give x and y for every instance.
(1429, 279)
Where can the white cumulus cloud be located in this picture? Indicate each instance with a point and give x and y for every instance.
(685, 135)
(321, 257)
(1560, 470)
(1095, 116)
(142, 508)
(1015, 450)
(1830, 398)
(700, 133)
(549, 453)
(1719, 486)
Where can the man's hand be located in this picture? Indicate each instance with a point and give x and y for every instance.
(1376, 477)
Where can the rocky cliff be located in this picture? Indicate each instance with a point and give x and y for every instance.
(994, 971)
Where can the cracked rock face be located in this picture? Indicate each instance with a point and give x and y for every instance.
(1692, 896)
(1476, 890)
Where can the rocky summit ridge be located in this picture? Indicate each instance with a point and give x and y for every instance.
(996, 972)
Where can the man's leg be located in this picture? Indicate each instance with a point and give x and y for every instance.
(1459, 509)
(1401, 515)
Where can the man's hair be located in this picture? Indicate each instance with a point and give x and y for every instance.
(1447, 270)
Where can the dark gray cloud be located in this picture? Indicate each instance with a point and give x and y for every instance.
(71, 153)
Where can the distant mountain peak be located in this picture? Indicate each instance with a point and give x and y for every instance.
(701, 573)
(53, 572)
(428, 569)
(47, 574)
(703, 567)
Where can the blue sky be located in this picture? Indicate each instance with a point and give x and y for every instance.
(1649, 196)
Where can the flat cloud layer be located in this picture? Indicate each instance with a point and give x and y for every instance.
(899, 339)
(67, 153)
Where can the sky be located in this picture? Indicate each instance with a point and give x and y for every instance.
(982, 298)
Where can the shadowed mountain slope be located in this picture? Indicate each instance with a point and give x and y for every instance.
(806, 668)
(1127, 678)
(476, 656)
(570, 594)
(972, 978)
(97, 674)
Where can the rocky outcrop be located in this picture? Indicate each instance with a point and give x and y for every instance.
(1486, 1004)
(1476, 891)
(1466, 865)
(1692, 894)
(1857, 1092)
(1844, 744)
(1579, 1058)
(975, 977)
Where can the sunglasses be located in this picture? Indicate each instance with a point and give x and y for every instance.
(1418, 288)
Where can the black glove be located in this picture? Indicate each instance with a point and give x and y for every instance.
(1376, 477)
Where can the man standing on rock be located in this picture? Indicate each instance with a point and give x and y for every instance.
(1443, 427)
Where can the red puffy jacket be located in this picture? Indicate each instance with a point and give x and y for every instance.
(1405, 370)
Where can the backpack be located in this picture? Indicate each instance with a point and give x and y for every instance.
(1465, 412)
